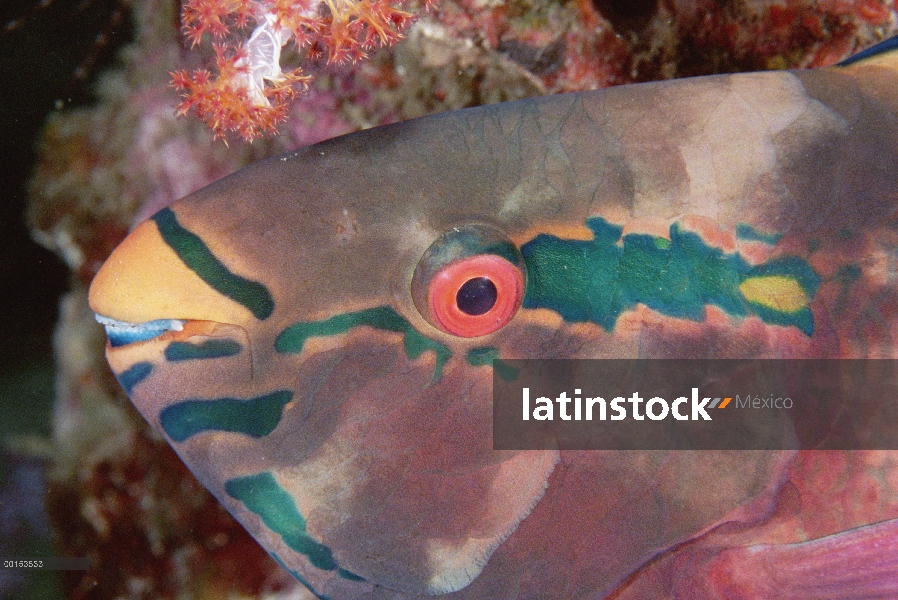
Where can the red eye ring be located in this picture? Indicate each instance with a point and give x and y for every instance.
(444, 292)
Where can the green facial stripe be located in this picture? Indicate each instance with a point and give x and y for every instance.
(489, 356)
(134, 375)
(255, 417)
(292, 339)
(264, 496)
(599, 280)
(750, 234)
(177, 351)
(191, 249)
(349, 575)
(848, 274)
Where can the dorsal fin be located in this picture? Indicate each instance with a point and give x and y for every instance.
(883, 52)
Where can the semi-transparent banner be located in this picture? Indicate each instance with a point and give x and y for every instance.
(656, 404)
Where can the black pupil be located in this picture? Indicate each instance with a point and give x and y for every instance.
(477, 296)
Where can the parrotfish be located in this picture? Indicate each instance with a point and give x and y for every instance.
(316, 336)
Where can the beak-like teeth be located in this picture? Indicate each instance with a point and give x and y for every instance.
(144, 281)
(121, 333)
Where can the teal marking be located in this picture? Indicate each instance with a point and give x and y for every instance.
(349, 575)
(813, 244)
(746, 232)
(255, 417)
(292, 339)
(177, 351)
(600, 279)
(298, 577)
(134, 375)
(848, 274)
(845, 276)
(846, 234)
(489, 356)
(264, 496)
(191, 249)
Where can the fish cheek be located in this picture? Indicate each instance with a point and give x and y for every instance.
(205, 360)
(406, 490)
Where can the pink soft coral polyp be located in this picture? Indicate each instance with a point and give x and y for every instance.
(250, 94)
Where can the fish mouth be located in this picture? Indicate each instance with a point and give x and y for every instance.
(145, 283)
(122, 333)
(179, 343)
(125, 338)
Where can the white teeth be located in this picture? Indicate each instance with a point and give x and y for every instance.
(122, 332)
(171, 324)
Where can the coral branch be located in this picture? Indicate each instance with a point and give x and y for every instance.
(250, 94)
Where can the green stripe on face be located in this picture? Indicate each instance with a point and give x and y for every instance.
(489, 356)
(264, 496)
(134, 375)
(191, 249)
(292, 339)
(255, 417)
(600, 279)
(750, 234)
(177, 351)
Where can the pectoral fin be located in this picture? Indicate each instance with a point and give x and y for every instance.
(855, 564)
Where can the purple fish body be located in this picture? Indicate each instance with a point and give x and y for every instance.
(314, 336)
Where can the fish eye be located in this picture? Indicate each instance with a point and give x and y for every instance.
(470, 282)
(476, 296)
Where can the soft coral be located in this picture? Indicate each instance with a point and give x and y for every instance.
(250, 94)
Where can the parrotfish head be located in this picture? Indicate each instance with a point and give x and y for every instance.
(294, 332)
(314, 334)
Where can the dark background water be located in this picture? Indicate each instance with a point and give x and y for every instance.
(39, 66)
(38, 63)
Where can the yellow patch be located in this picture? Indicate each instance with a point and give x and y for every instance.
(778, 292)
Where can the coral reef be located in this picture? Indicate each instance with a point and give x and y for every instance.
(117, 493)
(251, 93)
